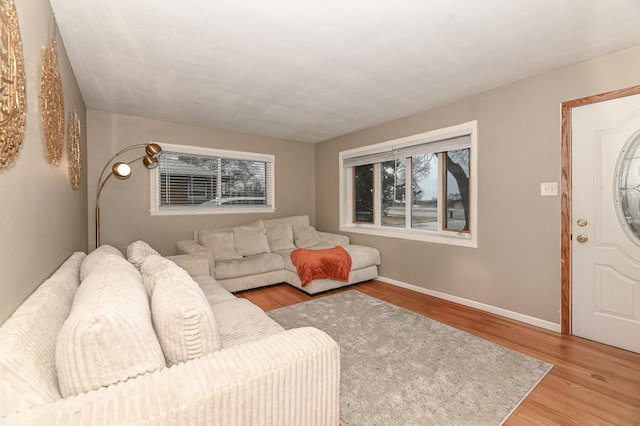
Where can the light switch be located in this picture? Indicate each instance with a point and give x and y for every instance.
(549, 189)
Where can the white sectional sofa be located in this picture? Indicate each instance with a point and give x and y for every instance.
(103, 342)
(259, 254)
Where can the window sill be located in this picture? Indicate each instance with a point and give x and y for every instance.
(450, 238)
(211, 210)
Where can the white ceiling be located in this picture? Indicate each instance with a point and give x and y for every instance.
(311, 70)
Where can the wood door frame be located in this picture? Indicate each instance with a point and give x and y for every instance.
(565, 245)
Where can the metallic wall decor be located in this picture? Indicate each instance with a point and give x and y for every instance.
(52, 101)
(74, 148)
(13, 97)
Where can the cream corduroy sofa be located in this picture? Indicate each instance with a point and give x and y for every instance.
(259, 254)
(101, 342)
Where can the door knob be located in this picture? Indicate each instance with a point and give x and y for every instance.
(582, 222)
(582, 238)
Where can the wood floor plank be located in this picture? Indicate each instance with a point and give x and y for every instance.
(590, 384)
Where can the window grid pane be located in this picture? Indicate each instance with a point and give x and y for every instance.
(457, 190)
(393, 183)
(243, 182)
(193, 180)
(425, 182)
(363, 194)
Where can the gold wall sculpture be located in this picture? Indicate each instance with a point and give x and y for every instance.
(13, 97)
(74, 148)
(52, 101)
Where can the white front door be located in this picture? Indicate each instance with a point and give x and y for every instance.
(605, 300)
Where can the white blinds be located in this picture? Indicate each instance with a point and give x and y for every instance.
(403, 151)
(209, 181)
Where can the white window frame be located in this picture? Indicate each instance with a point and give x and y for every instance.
(155, 209)
(465, 239)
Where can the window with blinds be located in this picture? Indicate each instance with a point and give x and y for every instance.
(420, 187)
(194, 180)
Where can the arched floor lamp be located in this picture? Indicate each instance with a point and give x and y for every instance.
(122, 171)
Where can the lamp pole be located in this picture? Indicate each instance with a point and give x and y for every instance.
(122, 171)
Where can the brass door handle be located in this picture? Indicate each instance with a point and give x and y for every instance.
(582, 238)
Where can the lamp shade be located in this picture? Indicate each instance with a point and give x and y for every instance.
(150, 162)
(121, 170)
(153, 150)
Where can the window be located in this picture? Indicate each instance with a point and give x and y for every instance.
(363, 194)
(193, 180)
(421, 187)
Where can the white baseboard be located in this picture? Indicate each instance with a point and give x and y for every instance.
(483, 307)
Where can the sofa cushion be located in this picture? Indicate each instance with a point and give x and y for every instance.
(221, 244)
(280, 237)
(241, 321)
(294, 221)
(96, 257)
(28, 341)
(194, 264)
(213, 291)
(362, 256)
(250, 265)
(182, 316)
(250, 240)
(306, 236)
(108, 336)
(138, 251)
(201, 234)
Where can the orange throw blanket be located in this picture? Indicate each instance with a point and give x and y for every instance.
(332, 263)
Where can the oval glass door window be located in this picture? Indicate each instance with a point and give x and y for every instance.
(628, 191)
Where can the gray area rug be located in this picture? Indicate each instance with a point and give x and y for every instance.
(401, 368)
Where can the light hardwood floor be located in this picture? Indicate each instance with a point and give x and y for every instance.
(590, 383)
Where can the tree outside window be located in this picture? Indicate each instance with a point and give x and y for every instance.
(457, 190)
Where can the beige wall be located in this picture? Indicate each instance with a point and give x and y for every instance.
(124, 205)
(42, 219)
(517, 264)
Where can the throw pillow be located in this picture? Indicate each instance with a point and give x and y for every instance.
(182, 316)
(306, 236)
(294, 221)
(96, 257)
(150, 270)
(108, 336)
(222, 245)
(280, 237)
(201, 234)
(250, 240)
(138, 251)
